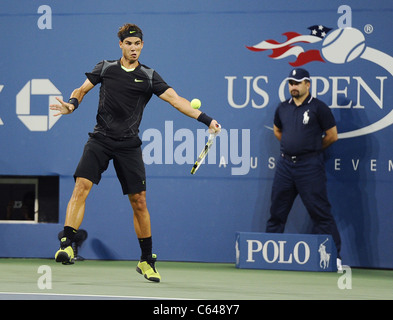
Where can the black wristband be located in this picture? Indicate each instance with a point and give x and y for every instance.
(204, 118)
(74, 102)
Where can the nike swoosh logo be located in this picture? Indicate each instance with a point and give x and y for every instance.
(137, 80)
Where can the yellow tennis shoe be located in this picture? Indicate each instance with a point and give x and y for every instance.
(65, 254)
(148, 270)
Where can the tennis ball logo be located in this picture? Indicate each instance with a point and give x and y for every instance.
(343, 45)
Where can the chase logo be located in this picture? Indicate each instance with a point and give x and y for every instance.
(339, 46)
(36, 122)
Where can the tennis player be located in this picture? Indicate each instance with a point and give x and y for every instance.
(126, 88)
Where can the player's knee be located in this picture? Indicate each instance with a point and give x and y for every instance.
(82, 188)
(138, 202)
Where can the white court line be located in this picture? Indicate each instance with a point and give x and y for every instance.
(3, 295)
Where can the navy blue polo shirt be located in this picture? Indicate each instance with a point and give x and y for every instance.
(302, 126)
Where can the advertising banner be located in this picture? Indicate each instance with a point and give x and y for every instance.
(280, 251)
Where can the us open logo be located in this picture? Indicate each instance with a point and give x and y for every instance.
(340, 46)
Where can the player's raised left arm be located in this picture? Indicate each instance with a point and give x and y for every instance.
(184, 106)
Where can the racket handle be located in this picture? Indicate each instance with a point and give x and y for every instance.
(215, 133)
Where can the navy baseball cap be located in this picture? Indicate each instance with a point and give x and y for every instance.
(299, 75)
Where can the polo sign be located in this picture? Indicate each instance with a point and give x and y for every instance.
(281, 251)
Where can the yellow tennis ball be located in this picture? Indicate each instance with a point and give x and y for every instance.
(196, 103)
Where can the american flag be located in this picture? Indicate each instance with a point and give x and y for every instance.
(293, 46)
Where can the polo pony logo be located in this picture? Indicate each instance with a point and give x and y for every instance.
(306, 117)
(324, 256)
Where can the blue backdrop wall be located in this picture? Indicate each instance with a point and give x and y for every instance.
(234, 56)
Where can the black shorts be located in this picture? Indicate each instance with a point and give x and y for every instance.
(127, 160)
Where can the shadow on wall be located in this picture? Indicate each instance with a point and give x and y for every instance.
(102, 251)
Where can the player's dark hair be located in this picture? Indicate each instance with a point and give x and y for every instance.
(129, 30)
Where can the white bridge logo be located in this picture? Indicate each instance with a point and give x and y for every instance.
(339, 46)
(23, 106)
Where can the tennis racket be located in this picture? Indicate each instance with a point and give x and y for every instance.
(204, 152)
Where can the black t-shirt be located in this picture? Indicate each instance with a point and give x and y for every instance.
(123, 97)
(302, 126)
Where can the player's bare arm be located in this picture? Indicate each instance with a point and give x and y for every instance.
(331, 136)
(79, 93)
(184, 106)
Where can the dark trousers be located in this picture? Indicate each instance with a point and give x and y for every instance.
(306, 177)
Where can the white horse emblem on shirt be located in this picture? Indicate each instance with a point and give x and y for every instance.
(306, 117)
